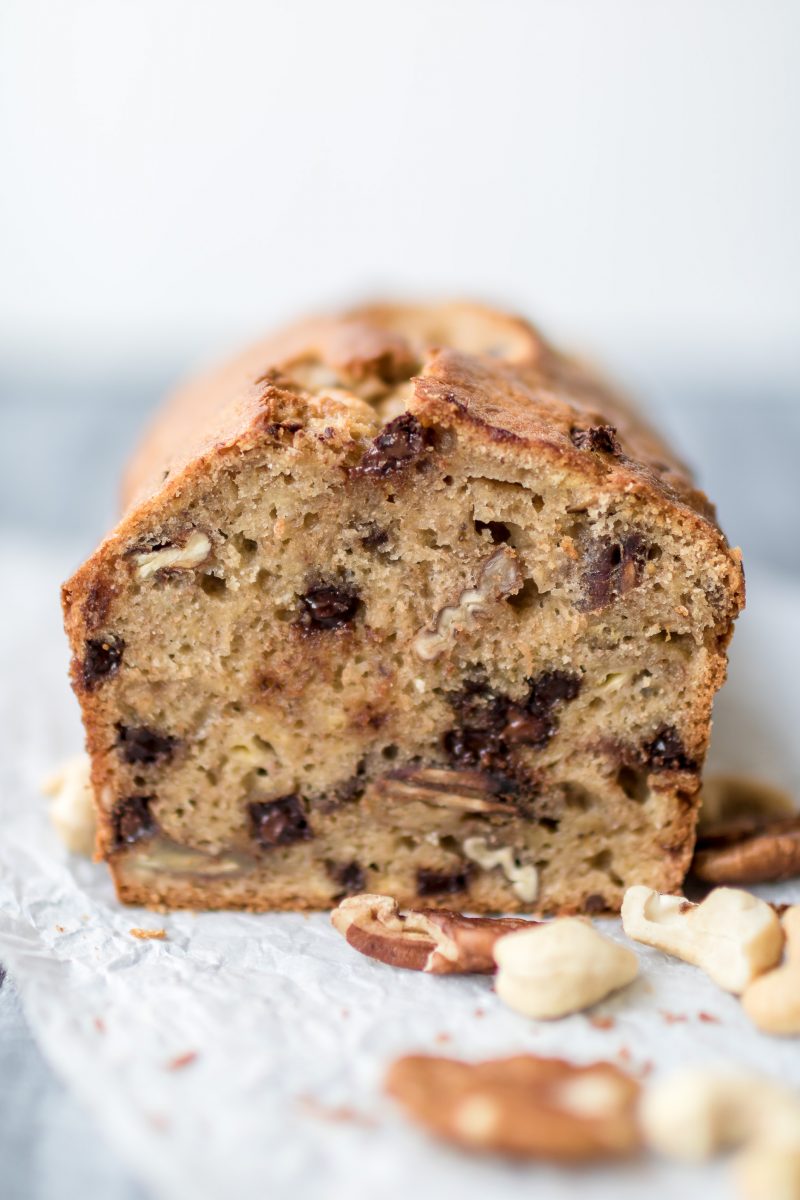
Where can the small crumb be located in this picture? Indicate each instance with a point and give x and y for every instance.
(340, 1112)
(480, 1012)
(709, 1018)
(158, 1121)
(442, 1039)
(99, 1024)
(149, 935)
(673, 1018)
(624, 1054)
(646, 1069)
(345, 1012)
(182, 1060)
(602, 1022)
(60, 929)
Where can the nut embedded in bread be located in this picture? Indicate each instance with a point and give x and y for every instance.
(401, 602)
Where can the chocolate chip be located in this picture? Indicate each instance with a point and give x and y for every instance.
(139, 744)
(131, 820)
(595, 903)
(399, 441)
(350, 877)
(492, 725)
(279, 822)
(552, 688)
(600, 438)
(612, 569)
(101, 659)
(329, 606)
(666, 752)
(440, 883)
(498, 532)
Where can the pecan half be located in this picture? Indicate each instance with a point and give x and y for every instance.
(439, 942)
(523, 1106)
(468, 791)
(726, 798)
(748, 850)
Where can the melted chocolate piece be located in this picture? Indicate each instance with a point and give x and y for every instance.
(612, 569)
(329, 606)
(279, 822)
(491, 725)
(400, 441)
(350, 877)
(131, 820)
(666, 752)
(440, 883)
(600, 438)
(137, 744)
(101, 660)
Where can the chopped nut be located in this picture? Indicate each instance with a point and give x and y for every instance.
(524, 1106)
(467, 791)
(726, 798)
(524, 878)
(191, 554)
(565, 968)
(744, 850)
(439, 942)
(695, 1113)
(732, 935)
(772, 1002)
(72, 808)
(149, 935)
(499, 576)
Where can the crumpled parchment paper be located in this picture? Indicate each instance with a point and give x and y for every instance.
(243, 1055)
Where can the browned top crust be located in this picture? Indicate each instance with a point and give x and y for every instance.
(467, 363)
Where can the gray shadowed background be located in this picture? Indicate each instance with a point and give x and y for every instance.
(176, 177)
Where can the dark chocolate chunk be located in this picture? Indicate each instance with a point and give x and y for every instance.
(139, 744)
(600, 438)
(350, 877)
(612, 569)
(279, 822)
(441, 883)
(131, 820)
(666, 752)
(400, 441)
(101, 659)
(595, 903)
(329, 606)
(492, 725)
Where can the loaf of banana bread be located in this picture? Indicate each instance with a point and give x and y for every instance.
(405, 602)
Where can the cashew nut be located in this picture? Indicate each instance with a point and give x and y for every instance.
(732, 935)
(72, 807)
(696, 1113)
(772, 1002)
(559, 968)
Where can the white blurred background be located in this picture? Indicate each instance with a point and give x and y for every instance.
(180, 174)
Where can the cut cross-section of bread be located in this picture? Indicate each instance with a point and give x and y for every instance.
(402, 602)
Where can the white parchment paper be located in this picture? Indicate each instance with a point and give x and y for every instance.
(284, 1032)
